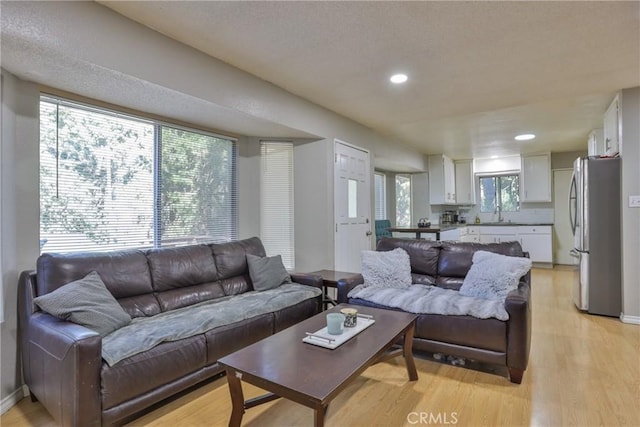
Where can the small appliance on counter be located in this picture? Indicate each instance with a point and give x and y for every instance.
(449, 217)
(424, 223)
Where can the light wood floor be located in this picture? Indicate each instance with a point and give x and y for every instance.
(583, 370)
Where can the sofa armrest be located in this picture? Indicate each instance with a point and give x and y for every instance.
(518, 305)
(61, 362)
(345, 286)
(307, 279)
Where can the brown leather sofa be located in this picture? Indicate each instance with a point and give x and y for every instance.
(62, 363)
(445, 264)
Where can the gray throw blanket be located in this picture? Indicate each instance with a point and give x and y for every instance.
(144, 333)
(424, 299)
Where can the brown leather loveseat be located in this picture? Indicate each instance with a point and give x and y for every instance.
(62, 362)
(445, 264)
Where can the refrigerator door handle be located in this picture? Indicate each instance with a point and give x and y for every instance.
(573, 203)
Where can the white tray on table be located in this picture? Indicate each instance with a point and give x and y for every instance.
(324, 339)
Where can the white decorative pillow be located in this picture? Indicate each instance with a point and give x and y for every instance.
(388, 269)
(493, 276)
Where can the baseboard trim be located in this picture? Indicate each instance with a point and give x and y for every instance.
(634, 320)
(9, 401)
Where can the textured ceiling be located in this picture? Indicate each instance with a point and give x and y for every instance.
(479, 72)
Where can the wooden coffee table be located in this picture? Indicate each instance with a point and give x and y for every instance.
(311, 375)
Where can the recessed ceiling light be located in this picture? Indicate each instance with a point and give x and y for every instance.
(525, 137)
(399, 78)
(494, 157)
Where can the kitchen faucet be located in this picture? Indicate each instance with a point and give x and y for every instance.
(498, 210)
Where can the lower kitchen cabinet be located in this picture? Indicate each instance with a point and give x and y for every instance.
(498, 234)
(537, 240)
(497, 238)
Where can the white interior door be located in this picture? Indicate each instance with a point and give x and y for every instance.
(352, 203)
(563, 238)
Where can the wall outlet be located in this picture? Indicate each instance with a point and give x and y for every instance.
(634, 201)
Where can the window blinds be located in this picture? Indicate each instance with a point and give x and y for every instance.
(276, 200)
(380, 196)
(114, 181)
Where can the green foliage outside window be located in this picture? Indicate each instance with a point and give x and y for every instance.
(403, 201)
(499, 191)
(99, 188)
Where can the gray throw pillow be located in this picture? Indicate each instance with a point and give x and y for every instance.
(386, 269)
(493, 276)
(86, 302)
(267, 273)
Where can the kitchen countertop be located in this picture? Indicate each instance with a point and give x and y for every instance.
(446, 227)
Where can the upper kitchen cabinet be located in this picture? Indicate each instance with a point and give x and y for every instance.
(442, 180)
(465, 186)
(612, 128)
(536, 178)
(595, 143)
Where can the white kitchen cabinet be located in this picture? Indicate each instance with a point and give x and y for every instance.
(612, 128)
(595, 143)
(465, 185)
(537, 241)
(536, 178)
(442, 186)
(469, 234)
(451, 235)
(498, 238)
(497, 234)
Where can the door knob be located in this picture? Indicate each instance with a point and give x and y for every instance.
(369, 233)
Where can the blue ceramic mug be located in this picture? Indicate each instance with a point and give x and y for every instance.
(335, 323)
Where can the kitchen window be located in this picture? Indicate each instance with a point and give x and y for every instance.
(500, 193)
(113, 181)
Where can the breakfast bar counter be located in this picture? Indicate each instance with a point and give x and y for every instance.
(417, 230)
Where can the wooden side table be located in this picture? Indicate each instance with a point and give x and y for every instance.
(330, 280)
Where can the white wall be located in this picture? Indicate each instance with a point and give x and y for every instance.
(249, 187)
(630, 153)
(91, 51)
(20, 213)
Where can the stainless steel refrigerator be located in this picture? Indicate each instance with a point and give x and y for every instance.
(594, 210)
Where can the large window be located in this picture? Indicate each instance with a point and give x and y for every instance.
(403, 201)
(112, 181)
(276, 200)
(380, 195)
(499, 193)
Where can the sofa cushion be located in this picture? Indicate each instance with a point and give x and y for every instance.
(143, 334)
(226, 339)
(184, 276)
(267, 272)
(423, 254)
(173, 268)
(456, 258)
(140, 373)
(231, 257)
(422, 299)
(86, 302)
(125, 274)
(390, 269)
(490, 334)
(493, 276)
